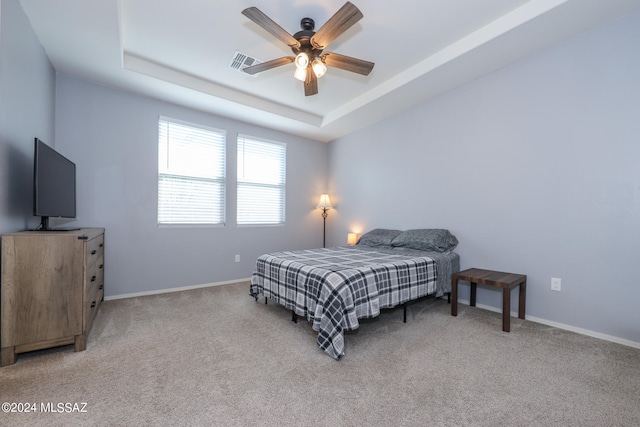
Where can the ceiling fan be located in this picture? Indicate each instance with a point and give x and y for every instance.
(307, 46)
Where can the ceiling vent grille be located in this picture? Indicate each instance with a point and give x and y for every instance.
(241, 61)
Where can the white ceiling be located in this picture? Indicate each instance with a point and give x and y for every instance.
(180, 51)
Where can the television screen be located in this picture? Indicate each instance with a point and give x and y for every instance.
(54, 184)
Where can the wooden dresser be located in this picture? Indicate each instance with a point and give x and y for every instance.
(52, 286)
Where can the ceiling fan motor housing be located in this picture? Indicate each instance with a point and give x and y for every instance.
(304, 37)
(307, 24)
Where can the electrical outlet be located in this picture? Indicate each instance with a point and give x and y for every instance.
(237, 258)
(556, 284)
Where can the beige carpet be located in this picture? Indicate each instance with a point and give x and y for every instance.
(213, 356)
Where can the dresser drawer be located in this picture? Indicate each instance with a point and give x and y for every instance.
(95, 276)
(91, 308)
(95, 290)
(95, 249)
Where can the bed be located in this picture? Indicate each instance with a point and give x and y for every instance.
(334, 287)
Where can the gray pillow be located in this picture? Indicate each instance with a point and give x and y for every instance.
(378, 237)
(426, 239)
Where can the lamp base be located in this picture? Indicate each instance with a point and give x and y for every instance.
(324, 227)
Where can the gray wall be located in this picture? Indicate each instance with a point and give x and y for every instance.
(535, 168)
(112, 136)
(27, 98)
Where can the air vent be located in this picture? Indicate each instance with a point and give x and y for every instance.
(241, 61)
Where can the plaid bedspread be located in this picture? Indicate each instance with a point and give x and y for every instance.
(334, 287)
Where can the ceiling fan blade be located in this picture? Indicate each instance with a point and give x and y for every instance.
(255, 69)
(310, 83)
(268, 24)
(340, 22)
(348, 63)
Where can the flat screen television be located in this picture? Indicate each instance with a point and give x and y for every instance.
(54, 185)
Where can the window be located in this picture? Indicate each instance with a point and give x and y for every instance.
(191, 173)
(261, 181)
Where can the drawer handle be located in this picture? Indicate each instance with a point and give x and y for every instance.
(93, 278)
(101, 266)
(101, 245)
(101, 287)
(93, 304)
(93, 252)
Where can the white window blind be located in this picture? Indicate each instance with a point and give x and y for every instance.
(191, 173)
(261, 181)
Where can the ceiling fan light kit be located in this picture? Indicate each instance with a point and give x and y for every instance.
(308, 45)
(318, 67)
(300, 74)
(302, 60)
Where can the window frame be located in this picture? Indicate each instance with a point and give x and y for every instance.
(221, 180)
(281, 186)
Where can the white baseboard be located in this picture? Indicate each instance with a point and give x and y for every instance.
(166, 291)
(558, 325)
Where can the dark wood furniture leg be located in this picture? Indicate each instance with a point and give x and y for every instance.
(522, 300)
(506, 308)
(454, 295)
(472, 297)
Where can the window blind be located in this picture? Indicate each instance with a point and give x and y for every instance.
(261, 181)
(191, 173)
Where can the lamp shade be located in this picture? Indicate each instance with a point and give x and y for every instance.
(302, 60)
(325, 203)
(318, 67)
(352, 239)
(300, 74)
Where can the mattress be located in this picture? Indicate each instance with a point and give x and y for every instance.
(334, 287)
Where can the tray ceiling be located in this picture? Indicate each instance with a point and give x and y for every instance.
(181, 51)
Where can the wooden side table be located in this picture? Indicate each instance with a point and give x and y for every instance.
(506, 281)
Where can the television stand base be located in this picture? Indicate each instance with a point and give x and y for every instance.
(56, 229)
